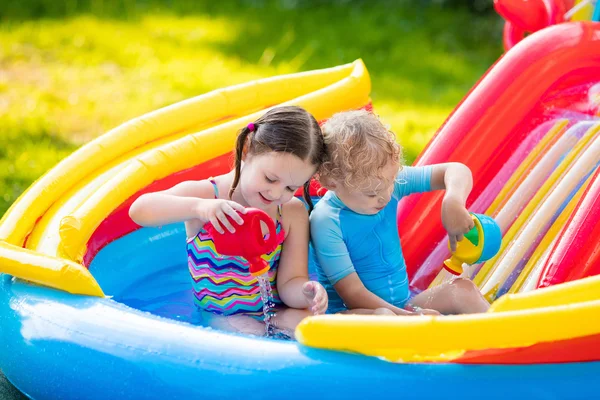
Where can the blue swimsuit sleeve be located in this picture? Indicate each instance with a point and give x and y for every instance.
(412, 180)
(329, 246)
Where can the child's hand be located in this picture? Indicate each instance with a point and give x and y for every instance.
(317, 297)
(216, 212)
(456, 220)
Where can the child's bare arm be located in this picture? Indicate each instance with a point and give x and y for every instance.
(293, 263)
(456, 178)
(186, 201)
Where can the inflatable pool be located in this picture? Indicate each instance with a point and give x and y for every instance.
(92, 306)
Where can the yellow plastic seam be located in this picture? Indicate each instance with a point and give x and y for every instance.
(586, 289)
(48, 271)
(428, 338)
(44, 237)
(585, 11)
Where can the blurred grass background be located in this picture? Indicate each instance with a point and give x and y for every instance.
(73, 69)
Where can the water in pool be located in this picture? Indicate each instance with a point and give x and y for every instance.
(147, 270)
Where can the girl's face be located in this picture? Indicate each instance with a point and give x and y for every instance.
(374, 196)
(272, 178)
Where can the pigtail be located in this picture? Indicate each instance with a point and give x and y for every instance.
(306, 196)
(239, 154)
(284, 129)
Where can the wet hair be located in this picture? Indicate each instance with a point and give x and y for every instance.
(358, 146)
(285, 129)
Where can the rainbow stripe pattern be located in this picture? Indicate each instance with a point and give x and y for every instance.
(223, 284)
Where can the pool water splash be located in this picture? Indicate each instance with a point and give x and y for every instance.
(266, 294)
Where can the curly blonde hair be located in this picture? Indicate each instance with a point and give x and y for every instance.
(358, 146)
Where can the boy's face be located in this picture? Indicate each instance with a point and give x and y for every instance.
(373, 196)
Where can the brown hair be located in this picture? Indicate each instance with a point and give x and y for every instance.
(286, 129)
(358, 146)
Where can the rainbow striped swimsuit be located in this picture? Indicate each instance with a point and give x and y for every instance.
(223, 284)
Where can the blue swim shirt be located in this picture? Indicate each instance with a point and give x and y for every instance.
(343, 242)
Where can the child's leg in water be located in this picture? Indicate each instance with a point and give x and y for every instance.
(287, 319)
(366, 311)
(284, 320)
(460, 296)
(235, 323)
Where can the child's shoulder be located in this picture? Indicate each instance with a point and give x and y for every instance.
(320, 208)
(324, 212)
(294, 213)
(295, 208)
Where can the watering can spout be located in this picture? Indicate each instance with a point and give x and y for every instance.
(480, 244)
(454, 265)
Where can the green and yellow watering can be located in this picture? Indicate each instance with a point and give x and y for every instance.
(480, 244)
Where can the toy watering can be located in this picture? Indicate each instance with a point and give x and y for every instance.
(480, 244)
(248, 240)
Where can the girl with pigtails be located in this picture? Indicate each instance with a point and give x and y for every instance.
(274, 156)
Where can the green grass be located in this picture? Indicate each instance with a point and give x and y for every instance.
(71, 70)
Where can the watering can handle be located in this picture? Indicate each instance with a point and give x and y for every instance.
(256, 217)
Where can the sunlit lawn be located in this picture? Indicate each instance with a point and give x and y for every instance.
(82, 69)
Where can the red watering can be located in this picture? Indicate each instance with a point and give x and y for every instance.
(247, 241)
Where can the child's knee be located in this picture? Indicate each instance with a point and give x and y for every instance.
(465, 285)
(383, 311)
